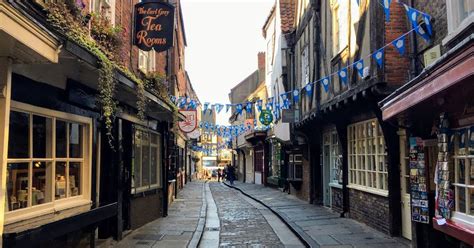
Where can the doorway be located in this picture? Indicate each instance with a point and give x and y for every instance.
(259, 160)
(405, 185)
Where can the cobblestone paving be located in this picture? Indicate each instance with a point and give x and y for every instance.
(242, 225)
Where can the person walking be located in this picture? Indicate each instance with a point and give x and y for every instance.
(231, 174)
(219, 175)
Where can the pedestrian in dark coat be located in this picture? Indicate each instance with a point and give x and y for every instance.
(231, 174)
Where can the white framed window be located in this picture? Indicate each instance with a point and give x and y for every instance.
(146, 61)
(367, 157)
(464, 177)
(147, 161)
(340, 16)
(106, 8)
(48, 163)
(304, 66)
(460, 16)
(331, 140)
(295, 167)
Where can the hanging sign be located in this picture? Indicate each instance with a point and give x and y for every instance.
(266, 117)
(290, 116)
(154, 24)
(190, 123)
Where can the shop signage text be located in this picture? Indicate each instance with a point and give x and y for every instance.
(154, 23)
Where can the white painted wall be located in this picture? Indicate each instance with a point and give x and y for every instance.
(274, 68)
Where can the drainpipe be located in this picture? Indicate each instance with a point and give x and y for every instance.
(244, 179)
(414, 53)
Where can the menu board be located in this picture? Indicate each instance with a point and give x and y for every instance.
(418, 182)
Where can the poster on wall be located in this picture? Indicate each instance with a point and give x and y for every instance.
(154, 26)
(418, 182)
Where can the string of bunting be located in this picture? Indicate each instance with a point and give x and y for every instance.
(424, 29)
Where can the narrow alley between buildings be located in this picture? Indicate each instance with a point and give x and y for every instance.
(215, 214)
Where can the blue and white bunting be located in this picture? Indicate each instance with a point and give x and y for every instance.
(173, 99)
(239, 108)
(206, 106)
(219, 107)
(269, 106)
(284, 96)
(343, 75)
(227, 107)
(296, 96)
(325, 82)
(259, 105)
(386, 8)
(359, 66)
(182, 102)
(309, 89)
(399, 44)
(412, 15)
(192, 105)
(248, 107)
(427, 20)
(421, 31)
(378, 56)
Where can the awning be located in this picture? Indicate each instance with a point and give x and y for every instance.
(454, 67)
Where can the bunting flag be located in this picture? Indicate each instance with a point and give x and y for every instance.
(399, 44)
(386, 8)
(173, 99)
(200, 124)
(259, 105)
(248, 107)
(378, 56)
(358, 2)
(239, 108)
(219, 107)
(182, 102)
(343, 75)
(269, 106)
(422, 33)
(206, 105)
(427, 20)
(192, 105)
(412, 15)
(296, 96)
(325, 83)
(284, 96)
(309, 89)
(286, 103)
(359, 66)
(227, 107)
(206, 126)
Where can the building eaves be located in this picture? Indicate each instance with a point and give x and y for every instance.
(267, 21)
(287, 15)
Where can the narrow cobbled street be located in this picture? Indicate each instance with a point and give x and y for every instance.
(213, 214)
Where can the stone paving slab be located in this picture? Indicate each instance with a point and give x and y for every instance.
(175, 230)
(321, 225)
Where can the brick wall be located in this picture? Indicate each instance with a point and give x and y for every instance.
(396, 65)
(370, 209)
(337, 197)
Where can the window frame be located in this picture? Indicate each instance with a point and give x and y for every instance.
(86, 170)
(459, 155)
(292, 164)
(331, 138)
(453, 29)
(359, 154)
(305, 74)
(159, 157)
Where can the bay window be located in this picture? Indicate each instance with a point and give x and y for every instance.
(367, 157)
(464, 176)
(147, 161)
(48, 159)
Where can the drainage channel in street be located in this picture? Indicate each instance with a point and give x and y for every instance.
(211, 233)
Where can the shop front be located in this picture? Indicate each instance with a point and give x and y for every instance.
(435, 113)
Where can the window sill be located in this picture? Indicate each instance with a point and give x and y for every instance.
(457, 230)
(336, 185)
(457, 31)
(379, 192)
(45, 209)
(138, 191)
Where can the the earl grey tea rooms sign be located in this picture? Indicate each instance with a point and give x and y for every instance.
(154, 22)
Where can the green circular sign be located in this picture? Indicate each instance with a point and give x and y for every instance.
(266, 117)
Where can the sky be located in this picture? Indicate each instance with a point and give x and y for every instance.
(223, 39)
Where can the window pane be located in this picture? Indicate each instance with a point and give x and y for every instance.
(42, 135)
(74, 179)
(136, 179)
(75, 138)
(18, 135)
(298, 171)
(154, 164)
(145, 160)
(41, 189)
(461, 171)
(154, 138)
(471, 172)
(17, 185)
(461, 199)
(60, 183)
(61, 139)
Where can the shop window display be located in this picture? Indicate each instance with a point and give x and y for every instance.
(44, 157)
